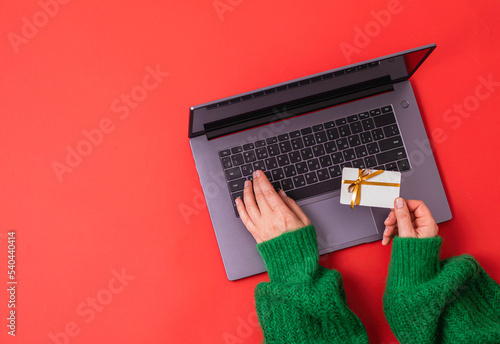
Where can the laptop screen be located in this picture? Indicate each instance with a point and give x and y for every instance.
(305, 94)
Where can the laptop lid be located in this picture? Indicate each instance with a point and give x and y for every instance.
(303, 95)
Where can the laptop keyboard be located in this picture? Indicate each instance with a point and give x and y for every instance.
(309, 161)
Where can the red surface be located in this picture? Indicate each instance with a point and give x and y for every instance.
(120, 207)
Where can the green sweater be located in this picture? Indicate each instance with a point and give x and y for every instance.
(426, 301)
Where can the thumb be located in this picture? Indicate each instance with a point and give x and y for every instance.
(405, 227)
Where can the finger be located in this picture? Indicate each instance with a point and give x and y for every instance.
(420, 210)
(390, 228)
(405, 227)
(259, 192)
(244, 216)
(272, 200)
(249, 199)
(295, 208)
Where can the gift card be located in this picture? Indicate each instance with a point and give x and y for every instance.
(369, 188)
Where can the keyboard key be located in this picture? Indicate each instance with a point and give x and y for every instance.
(295, 133)
(361, 151)
(277, 174)
(320, 137)
(390, 143)
(352, 118)
(299, 181)
(359, 163)
(237, 159)
(330, 147)
(309, 140)
(325, 161)
(356, 127)
(373, 148)
(391, 167)
(271, 163)
(344, 130)
(283, 160)
(346, 164)
(315, 189)
(335, 171)
(311, 177)
(247, 169)
(375, 112)
(259, 165)
(297, 143)
(392, 155)
(287, 184)
(318, 150)
(318, 127)
(386, 109)
(379, 167)
(236, 185)
(283, 137)
(332, 134)
(301, 167)
(273, 150)
(337, 158)
(306, 153)
(404, 165)
(276, 185)
(364, 115)
(341, 121)
(237, 149)
(385, 119)
(261, 153)
(306, 131)
(368, 124)
(329, 125)
(285, 146)
(248, 146)
(224, 153)
(290, 171)
(295, 157)
(260, 143)
(272, 140)
(226, 162)
(322, 174)
(233, 173)
(370, 161)
(354, 141)
(366, 137)
(391, 130)
(378, 134)
(268, 175)
(342, 143)
(249, 156)
(349, 154)
(313, 164)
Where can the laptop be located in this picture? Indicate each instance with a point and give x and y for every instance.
(301, 133)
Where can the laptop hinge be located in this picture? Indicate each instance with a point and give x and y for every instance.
(297, 107)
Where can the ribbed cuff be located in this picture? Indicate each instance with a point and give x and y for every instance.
(414, 261)
(291, 257)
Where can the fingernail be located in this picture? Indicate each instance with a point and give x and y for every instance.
(257, 173)
(253, 174)
(247, 183)
(385, 230)
(399, 203)
(283, 193)
(387, 219)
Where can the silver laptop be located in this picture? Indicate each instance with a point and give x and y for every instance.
(301, 133)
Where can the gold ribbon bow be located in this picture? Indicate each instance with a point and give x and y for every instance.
(355, 186)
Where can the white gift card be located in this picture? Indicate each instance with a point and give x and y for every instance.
(381, 196)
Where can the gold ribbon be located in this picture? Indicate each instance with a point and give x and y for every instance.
(355, 186)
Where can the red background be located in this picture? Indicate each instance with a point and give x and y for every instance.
(120, 208)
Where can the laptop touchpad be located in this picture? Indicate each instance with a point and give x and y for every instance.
(337, 225)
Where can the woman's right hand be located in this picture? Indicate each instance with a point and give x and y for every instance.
(409, 219)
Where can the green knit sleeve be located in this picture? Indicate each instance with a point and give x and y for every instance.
(428, 301)
(303, 302)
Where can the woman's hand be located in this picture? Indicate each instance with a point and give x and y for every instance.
(267, 214)
(409, 219)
